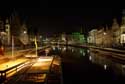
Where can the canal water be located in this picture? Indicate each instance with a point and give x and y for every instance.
(82, 64)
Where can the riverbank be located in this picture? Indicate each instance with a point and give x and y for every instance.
(18, 53)
(101, 48)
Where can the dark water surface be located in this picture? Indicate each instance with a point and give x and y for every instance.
(82, 64)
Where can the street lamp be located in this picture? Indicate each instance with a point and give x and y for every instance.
(40, 36)
(104, 33)
(24, 32)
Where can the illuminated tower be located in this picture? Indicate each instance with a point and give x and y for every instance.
(7, 30)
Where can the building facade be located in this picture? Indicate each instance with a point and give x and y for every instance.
(101, 37)
(92, 37)
(122, 32)
(115, 30)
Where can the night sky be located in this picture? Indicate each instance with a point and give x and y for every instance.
(68, 19)
(65, 19)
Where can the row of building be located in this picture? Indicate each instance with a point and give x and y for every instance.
(113, 36)
(76, 38)
(14, 28)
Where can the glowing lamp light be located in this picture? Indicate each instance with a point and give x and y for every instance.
(47, 51)
(59, 48)
(37, 65)
(40, 36)
(24, 32)
(83, 54)
(90, 58)
(53, 47)
(104, 33)
(44, 60)
(105, 66)
(88, 51)
(64, 48)
(123, 38)
(81, 51)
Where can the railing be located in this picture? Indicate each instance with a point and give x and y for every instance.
(11, 70)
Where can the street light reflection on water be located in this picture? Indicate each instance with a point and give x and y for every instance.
(53, 47)
(90, 58)
(97, 60)
(105, 66)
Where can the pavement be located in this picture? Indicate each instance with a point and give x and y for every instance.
(17, 53)
(109, 49)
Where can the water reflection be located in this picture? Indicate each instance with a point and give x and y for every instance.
(88, 51)
(90, 59)
(64, 49)
(72, 50)
(82, 52)
(102, 59)
(105, 66)
(53, 47)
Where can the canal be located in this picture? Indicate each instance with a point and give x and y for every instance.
(78, 66)
(82, 64)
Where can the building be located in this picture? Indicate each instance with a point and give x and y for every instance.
(122, 30)
(15, 28)
(77, 38)
(92, 37)
(107, 37)
(2, 32)
(7, 30)
(63, 37)
(15, 25)
(101, 37)
(24, 38)
(115, 33)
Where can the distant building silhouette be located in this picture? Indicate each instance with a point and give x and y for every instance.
(15, 25)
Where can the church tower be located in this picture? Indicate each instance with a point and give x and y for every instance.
(7, 30)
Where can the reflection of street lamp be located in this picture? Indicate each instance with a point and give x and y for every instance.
(40, 36)
(90, 58)
(105, 66)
